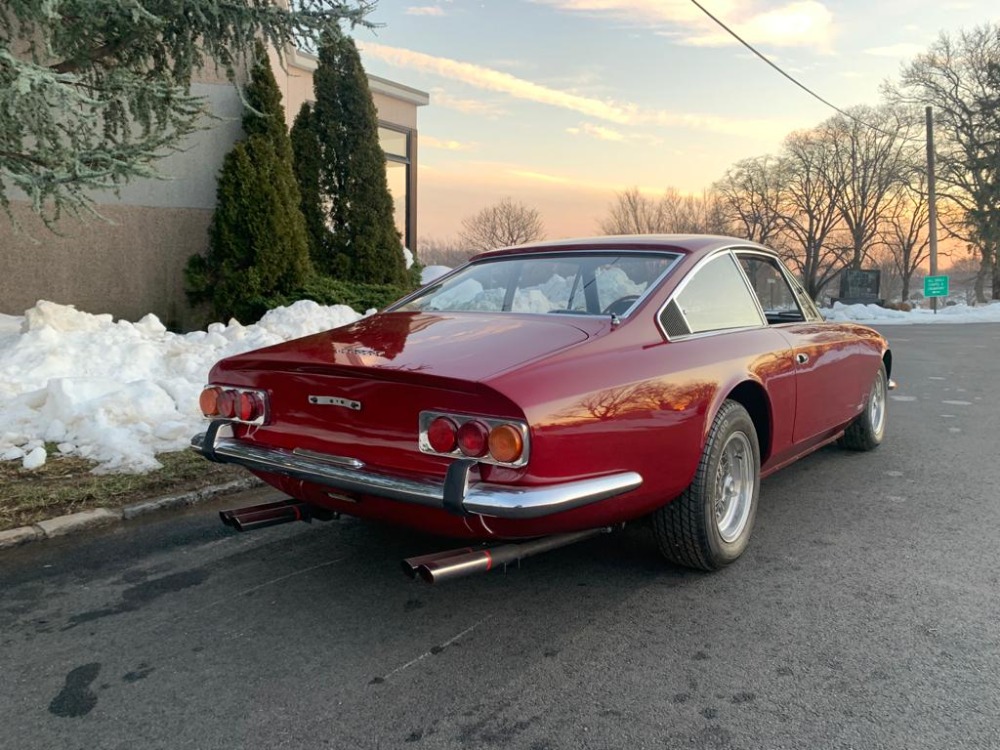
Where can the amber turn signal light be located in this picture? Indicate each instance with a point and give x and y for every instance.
(506, 443)
(239, 404)
(209, 402)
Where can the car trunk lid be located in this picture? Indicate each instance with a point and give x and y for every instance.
(357, 391)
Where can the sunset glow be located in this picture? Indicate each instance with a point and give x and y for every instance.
(562, 103)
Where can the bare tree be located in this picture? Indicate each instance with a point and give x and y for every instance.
(905, 228)
(501, 225)
(634, 213)
(963, 274)
(750, 196)
(890, 279)
(673, 212)
(682, 214)
(957, 76)
(810, 210)
(715, 218)
(869, 158)
(438, 252)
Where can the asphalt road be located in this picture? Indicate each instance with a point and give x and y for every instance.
(865, 614)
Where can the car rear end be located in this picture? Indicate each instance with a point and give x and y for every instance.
(344, 421)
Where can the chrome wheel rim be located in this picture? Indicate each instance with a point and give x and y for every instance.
(876, 407)
(734, 486)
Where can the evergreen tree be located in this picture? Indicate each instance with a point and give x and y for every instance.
(258, 245)
(305, 149)
(265, 115)
(93, 93)
(363, 243)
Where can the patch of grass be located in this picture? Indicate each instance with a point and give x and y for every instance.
(65, 485)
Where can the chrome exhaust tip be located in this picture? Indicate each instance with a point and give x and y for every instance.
(443, 566)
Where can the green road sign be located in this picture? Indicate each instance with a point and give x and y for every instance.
(935, 286)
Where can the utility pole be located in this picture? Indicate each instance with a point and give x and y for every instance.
(931, 197)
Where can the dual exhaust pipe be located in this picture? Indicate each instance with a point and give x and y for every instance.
(271, 514)
(433, 568)
(443, 566)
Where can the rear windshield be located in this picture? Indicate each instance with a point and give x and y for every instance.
(582, 283)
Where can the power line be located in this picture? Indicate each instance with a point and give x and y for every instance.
(802, 86)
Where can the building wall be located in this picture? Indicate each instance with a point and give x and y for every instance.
(132, 262)
(129, 265)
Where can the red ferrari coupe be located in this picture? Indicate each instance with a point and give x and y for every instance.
(552, 391)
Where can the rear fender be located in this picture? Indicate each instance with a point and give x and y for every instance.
(749, 392)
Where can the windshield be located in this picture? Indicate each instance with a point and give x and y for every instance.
(576, 283)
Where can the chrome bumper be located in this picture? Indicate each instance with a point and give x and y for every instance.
(457, 494)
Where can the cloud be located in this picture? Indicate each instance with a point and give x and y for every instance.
(618, 113)
(801, 23)
(441, 98)
(425, 10)
(488, 172)
(550, 179)
(903, 49)
(429, 141)
(597, 131)
(641, 11)
(602, 133)
(495, 80)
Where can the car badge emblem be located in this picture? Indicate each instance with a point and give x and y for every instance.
(335, 401)
(358, 351)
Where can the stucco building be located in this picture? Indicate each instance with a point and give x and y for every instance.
(132, 262)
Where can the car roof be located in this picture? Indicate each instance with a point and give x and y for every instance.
(688, 244)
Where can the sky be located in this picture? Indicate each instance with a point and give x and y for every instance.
(559, 104)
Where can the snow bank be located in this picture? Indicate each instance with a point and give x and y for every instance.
(119, 392)
(881, 316)
(429, 273)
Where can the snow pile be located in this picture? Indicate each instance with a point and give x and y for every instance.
(429, 273)
(118, 393)
(881, 316)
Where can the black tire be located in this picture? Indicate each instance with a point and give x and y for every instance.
(867, 430)
(689, 530)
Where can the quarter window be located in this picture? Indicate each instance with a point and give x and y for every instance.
(777, 298)
(780, 301)
(715, 299)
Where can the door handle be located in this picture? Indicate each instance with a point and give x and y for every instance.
(801, 358)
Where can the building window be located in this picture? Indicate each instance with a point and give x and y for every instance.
(396, 143)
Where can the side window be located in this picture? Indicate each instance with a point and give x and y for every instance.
(715, 299)
(776, 296)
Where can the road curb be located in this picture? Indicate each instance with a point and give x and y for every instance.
(188, 498)
(76, 522)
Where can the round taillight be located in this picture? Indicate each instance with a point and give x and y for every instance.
(473, 438)
(227, 403)
(506, 443)
(251, 406)
(442, 435)
(209, 402)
